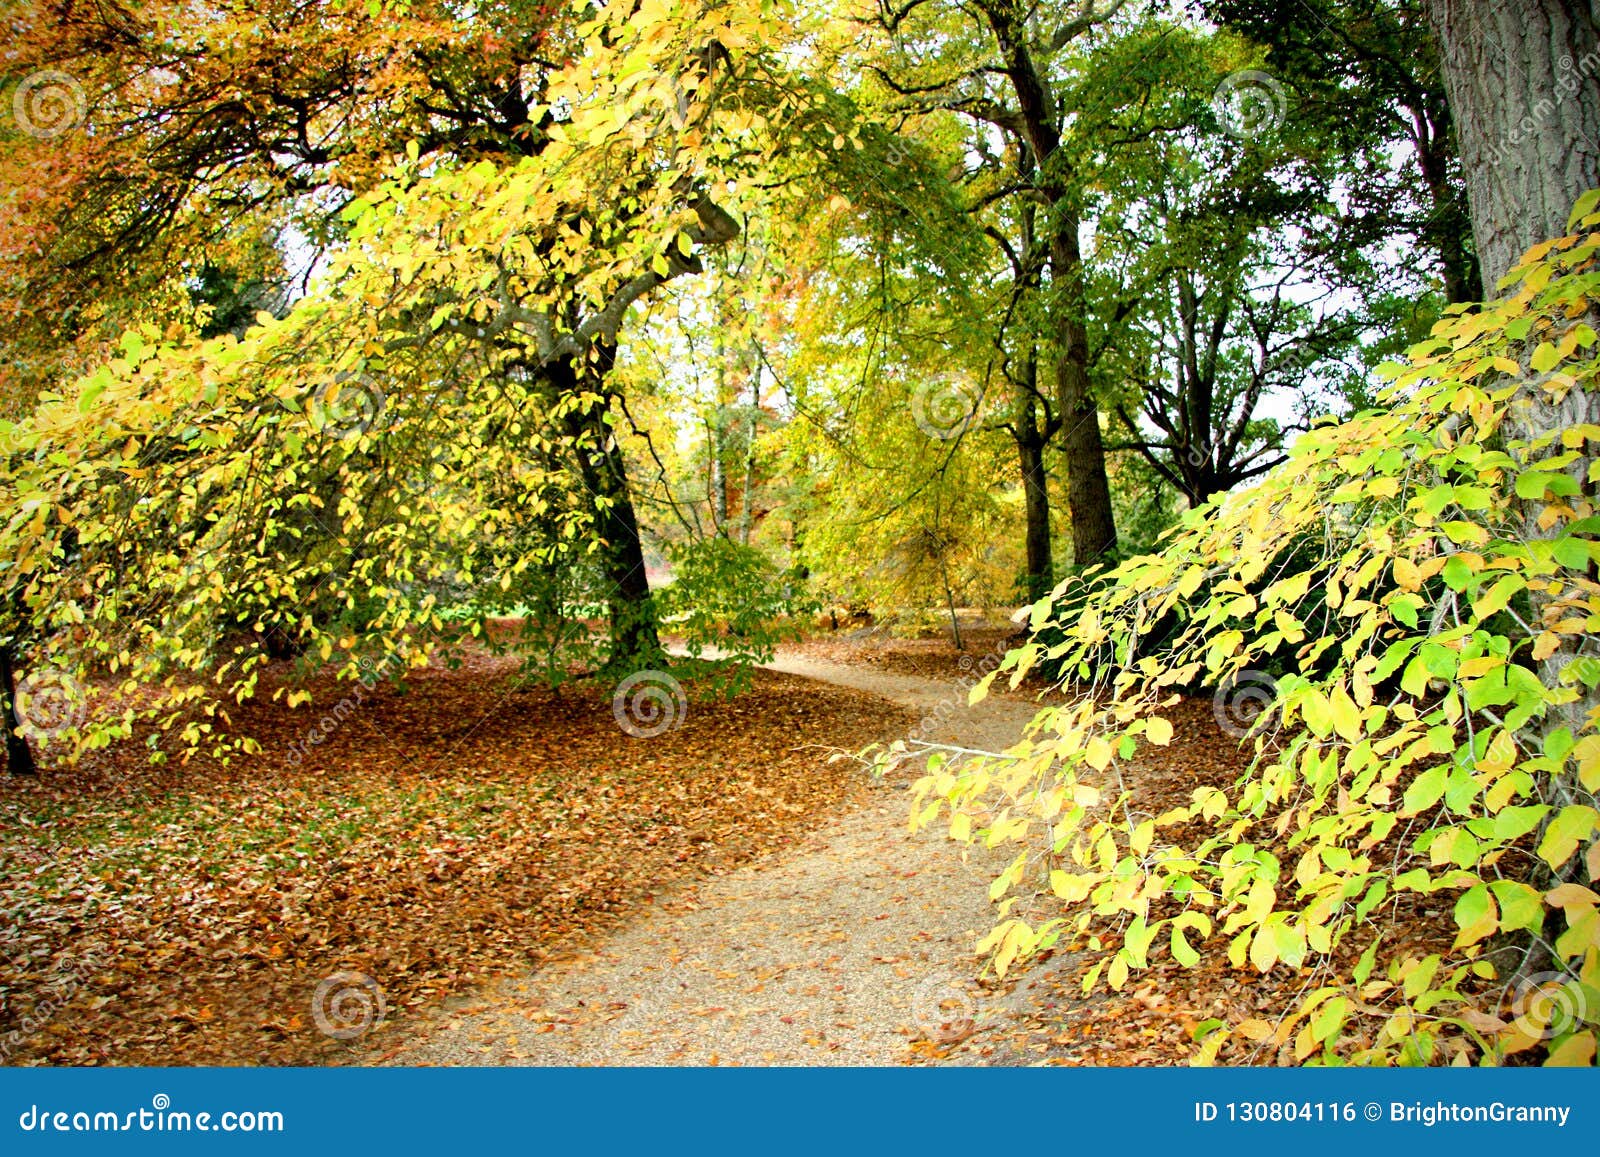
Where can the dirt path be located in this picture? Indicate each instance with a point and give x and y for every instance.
(842, 952)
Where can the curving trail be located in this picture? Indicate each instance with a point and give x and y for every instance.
(846, 951)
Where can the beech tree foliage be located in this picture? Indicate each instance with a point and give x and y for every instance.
(345, 333)
(435, 412)
(1427, 569)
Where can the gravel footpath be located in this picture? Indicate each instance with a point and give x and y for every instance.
(844, 951)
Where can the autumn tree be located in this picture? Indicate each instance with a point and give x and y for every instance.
(1002, 65)
(471, 311)
(1397, 619)
(284, 144)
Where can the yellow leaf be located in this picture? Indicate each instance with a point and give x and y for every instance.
(1159, 731)
(1098, 754)
(1575, 1052)
(1256, 1030)
(1264, 949)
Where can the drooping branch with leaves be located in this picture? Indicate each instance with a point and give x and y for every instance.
(1411, 602)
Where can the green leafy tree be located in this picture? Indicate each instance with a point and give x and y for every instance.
(1424, 561)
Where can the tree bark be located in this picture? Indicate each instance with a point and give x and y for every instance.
(1094, 527)
(635, 637)
(1523, 78)
(19, 756)
(1036, 504)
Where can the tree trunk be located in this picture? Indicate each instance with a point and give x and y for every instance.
(719, 471)
(1036, 504)
(1094, 527)
(19, 756)
(1523, 79)
(746, 513)
(635, 638)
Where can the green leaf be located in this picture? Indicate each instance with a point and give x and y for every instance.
(1457, 574)
(1521, 907)
(1328, 1019)
(1476, 915)
(1513, 823)
(1425, 791)
(1582, 207)
(1363, 968)
(1182, 951)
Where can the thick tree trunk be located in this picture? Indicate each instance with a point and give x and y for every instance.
(1523, 79)
(1094, 527)
(19, 756)
(635, 638)
(1036, 505)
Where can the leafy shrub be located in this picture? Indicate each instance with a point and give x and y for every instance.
(731, 605)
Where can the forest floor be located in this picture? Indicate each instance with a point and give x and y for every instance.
(856, 948)
(526, 884)
(464, 829)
